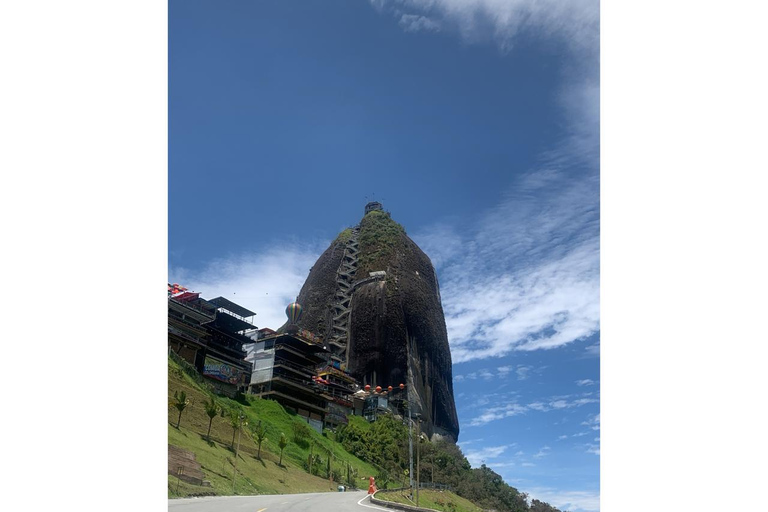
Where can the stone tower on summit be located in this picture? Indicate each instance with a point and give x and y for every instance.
(373, 296)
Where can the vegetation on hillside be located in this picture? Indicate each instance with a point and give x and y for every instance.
(344, 236)
(379, 235)
(435, 499)
(287, 441)
(385, 443)
(295, 458)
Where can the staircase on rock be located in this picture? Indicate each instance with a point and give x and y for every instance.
(345, 277)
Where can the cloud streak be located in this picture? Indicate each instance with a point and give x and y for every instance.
(516, 409)
(574, 23)
(477, 457)
(526, 276)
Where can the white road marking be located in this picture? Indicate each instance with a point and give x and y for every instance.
(371, 506)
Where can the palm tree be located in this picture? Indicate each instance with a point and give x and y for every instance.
(282, 444)
(211, 409)
(181, 402)
(259, 435)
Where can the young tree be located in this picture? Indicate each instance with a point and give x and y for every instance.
(259, 435)
(180, 402)
(211, 409)
(234, 422)
(311, 458)
(282, 444)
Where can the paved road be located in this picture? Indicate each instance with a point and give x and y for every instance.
(312, 502)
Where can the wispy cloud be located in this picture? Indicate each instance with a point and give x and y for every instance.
(543, 452)
(525, 276)
(477, 457)
(263, 282)
(528, 275)
(416, 22)
(521, 371)
(585, 382)
(515, 409)
(573, 22)
(575, 501)
(593, 422)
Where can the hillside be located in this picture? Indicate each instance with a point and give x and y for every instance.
(359, 449)
(254, 476)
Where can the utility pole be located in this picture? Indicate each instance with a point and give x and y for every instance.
(432, 470)
(418, 442)
(410, 445)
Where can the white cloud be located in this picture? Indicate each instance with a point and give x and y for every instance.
(415, 23)
(485, 374)
(593, 422)
(264, 282)
(542, 453)
(497, 413)
(477, 457)
(585, 382)
(574, 501)
(522, 372)
(572, 22)
(526, 275)
(515, 409)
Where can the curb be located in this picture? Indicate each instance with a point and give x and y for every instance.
(399, 506)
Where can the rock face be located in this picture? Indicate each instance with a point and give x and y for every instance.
(373, 296)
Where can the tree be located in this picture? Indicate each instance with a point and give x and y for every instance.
(259, 435)
(282, 444)
(211, 409)
(180, 402)
(234, 422)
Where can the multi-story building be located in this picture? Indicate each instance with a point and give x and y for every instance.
(210, 334)
(283, 367)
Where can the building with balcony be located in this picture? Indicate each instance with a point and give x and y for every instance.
(283, 369)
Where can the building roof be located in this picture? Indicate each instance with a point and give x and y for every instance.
(221, 302)
(232, 323)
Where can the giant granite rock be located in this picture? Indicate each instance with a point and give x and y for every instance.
(373, 296)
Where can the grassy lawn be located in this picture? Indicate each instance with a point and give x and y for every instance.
(254, 475)
(444, 501)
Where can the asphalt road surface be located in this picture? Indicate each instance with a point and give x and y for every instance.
(356, 501)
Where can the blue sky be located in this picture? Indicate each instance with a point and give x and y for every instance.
(476, 123)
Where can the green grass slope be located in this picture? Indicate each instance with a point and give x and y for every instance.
(254, 475)
(441, 500)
